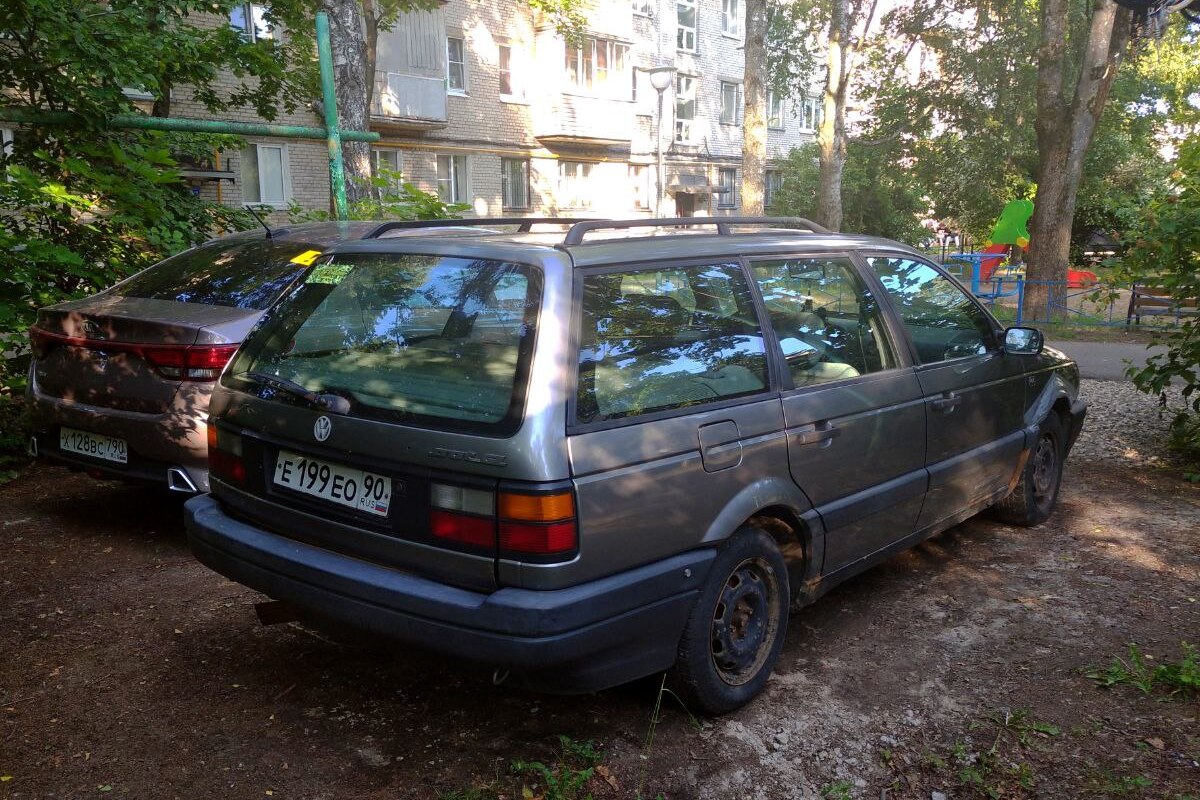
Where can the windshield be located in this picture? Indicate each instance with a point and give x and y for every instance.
(238, 273)
(427, 340)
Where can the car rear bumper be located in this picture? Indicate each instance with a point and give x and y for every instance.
(582, 638)
(156, 442)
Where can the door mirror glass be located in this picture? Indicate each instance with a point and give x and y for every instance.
(1023, 341)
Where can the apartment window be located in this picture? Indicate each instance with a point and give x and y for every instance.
(456, 65)
(685, 107)
(266, 174)
(389, 160)
(511, 85)
(251, 20)
(772, 182)
(514, 182)
(731, 17)
(774, 110)
(598, 66)
(452, 179)
(810, 114)
(639, 179)
(731, 95)
(643, 7)
(685, 25)
(727, 197)
(574, 178)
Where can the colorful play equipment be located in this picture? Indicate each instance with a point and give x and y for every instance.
(1010, 231)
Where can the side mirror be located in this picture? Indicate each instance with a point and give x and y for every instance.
(1023, 341)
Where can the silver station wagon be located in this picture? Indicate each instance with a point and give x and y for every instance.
(584, 457)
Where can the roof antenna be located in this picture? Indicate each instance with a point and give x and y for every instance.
(255, 214)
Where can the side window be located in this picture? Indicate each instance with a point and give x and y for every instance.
(654, 340)
(941, 318)
(827, 321)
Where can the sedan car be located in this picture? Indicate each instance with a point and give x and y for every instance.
(120, 381)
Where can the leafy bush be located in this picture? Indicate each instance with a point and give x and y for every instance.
(1164, 250)
(392, 198)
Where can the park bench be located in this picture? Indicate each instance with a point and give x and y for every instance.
(1157, 301)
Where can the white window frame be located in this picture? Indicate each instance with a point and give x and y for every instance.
(685, 91)
(285, 175)
(775, 110)
(463, 90)
(457, 182)
(728, 199)
(731, 18)
(506, 198)
(731, 115)
(643, 8)
(685, 35)
(810, 114)
(516, 85)
(771, 187)
(639, 179)
(376, 152)
(251, 30)
(574, 179)
(583, 66)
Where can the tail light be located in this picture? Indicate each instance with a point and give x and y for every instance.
(191, 362)
(225, 455)
(517, 524)
(179, 362)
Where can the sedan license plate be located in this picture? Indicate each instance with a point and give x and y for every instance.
(354, 488)
(108, 448)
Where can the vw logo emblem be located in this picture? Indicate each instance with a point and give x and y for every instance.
(321, 428)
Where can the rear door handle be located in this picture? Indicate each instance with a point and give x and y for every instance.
(824, 432)
(946, 403)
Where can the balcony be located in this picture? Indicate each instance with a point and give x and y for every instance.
(412, 103)
(569, 119)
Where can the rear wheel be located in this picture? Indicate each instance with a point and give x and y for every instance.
(1033, 499)
(733, 636)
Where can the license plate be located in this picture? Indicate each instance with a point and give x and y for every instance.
(108, 448)
(353, 488)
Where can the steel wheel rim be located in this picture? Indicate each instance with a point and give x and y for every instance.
(1045, 467)
(745, 622)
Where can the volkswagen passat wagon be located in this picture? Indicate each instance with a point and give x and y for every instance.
(592, 457)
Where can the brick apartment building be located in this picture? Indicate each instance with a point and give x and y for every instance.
(484, 103)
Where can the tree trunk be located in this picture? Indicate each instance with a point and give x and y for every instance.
(831, 133)
(1064, 132)
(754, 116)
(348, 43)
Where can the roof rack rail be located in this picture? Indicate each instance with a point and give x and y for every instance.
(581, 229)
(524, 224)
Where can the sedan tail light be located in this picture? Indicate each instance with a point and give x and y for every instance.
(178, 362)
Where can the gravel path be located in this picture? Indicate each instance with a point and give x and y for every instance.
(1125, 426)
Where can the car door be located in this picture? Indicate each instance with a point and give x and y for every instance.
(852, 404)
(974, 393)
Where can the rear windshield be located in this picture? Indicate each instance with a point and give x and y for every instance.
(426, 340)
(242, 274)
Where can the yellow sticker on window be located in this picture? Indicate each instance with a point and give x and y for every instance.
(306, 258)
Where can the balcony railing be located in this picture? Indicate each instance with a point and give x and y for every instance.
(415, 99)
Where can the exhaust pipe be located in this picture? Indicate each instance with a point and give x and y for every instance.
(178, 481)
(33, 447)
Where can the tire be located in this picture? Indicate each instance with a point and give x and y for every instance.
(736, 629)
(1033, 499)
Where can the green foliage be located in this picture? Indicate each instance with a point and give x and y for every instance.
(1177, 678)
(567, 779)
(838, 790)
(1164, 251)
(392, 198)
(878, 199)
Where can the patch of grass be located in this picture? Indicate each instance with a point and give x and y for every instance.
(1176, 678)
(839, 790)
(1109, 784)
(565, 778)
(995, 771)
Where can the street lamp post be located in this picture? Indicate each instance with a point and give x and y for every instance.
(660, 79)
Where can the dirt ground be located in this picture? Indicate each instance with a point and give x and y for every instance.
(957, 669)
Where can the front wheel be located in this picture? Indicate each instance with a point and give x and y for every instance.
(1033, 499)
(735, 632)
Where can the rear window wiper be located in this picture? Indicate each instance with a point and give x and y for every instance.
(328, 402)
